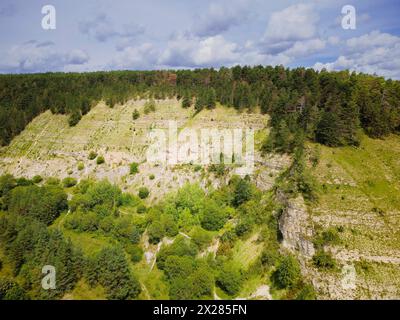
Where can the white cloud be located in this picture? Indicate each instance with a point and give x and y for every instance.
(297, 22)
(371, 40)
(220, 17)
(190, 51)
(306, 47)
(102, 29)
(143, 56)
(371, 53)
(34, 56)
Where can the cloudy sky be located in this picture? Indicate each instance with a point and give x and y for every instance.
(159, 34)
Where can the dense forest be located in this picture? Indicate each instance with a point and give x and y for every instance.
(327, 107)
(35, 224)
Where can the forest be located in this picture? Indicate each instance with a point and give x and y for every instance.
(326, 107)
(34, 224)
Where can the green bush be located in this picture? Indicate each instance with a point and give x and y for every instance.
(141, 208)
(149, 106)
(201, 237)
(81, 166)
(37, 179)
(156, 232)
(323, 260)
(100, 160)
(135, 114)
(307, 292)
(135, 252)
(143, 193)
(152, 177)
(92, 155)
(288, 273)
(52, 181)
(134, 168)
(69, 182)
(212, 217)
(229, 280)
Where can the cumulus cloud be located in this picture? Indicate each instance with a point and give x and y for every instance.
(191, 51)
(297, 22)
(371, 53)
(103, 29)
(34, 56)
(139, 57)
(292, 33)
(220, 17)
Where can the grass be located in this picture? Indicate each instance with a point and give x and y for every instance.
(83, 291)
(153, 285)
(359, 191)
(90, 243)
(246, 252)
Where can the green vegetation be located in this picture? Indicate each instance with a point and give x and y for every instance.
(324, 260)
(134, 168)
(149, 106)
(100, 160)
(69, 182)
(92, 155)
(328, 106)
(135, 114)
(143, 192)
(81, 166)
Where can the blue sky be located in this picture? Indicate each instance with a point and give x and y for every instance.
(172, 34)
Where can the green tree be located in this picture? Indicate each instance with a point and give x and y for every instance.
(288, 273)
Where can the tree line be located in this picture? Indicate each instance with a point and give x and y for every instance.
(327, 107)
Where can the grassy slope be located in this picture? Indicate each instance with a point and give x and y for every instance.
(360, 191)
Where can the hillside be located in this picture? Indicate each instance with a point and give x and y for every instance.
(354, 221)
(50, 147)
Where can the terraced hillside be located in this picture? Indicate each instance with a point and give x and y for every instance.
(49, 147)
(359, 202)
(347, 241)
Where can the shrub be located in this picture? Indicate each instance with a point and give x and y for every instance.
(37, 179)
(143, 193)
(141, 208)
(74, 118)
(69, 182)
(134, 168)
(242, 192)
(329, 236)
(156, 232)
(135, 114)
(152, 177)
(307, 292)
(135, 252)
(229, 279)
(149, 106)
(52, 181)
(201, 237)
(100, 160)
(106, 224)
(323, 260)
(81, 166)
(212, 216)
(92, 155)
(288, 272)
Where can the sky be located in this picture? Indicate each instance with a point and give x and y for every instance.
(93, 35)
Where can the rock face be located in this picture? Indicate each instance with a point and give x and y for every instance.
(294, 227)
